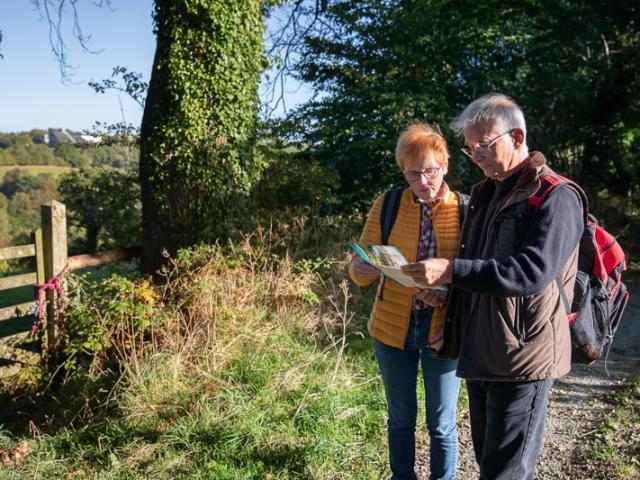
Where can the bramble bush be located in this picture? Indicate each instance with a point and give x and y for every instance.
(110, 322)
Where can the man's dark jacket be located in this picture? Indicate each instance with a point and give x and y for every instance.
(505, 308)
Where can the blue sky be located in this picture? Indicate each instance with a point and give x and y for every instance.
(32, 94)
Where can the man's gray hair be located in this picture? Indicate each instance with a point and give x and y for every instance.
(495, 108)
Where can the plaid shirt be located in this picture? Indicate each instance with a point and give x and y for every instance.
(427, 242)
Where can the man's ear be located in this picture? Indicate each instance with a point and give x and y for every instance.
(518, 137)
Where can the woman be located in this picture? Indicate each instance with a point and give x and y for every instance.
(407, 324)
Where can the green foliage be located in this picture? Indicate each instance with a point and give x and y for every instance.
(103, 204)
(20, 181)
(199, 124)
(25, 189)
(240, 376)
(381, 64)
(15, 181)
(23, 194)
(108, 321)
(103, 209)
(5, 225)
(118, 156)
(20, 149)
(72, 155)
(581, 104)
(123, 80)
(289, 182)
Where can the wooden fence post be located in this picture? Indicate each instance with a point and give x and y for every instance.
(54, 243)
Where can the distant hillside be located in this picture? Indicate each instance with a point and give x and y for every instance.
(63, 148)
(31, 171)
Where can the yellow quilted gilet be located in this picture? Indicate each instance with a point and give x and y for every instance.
(389, 321)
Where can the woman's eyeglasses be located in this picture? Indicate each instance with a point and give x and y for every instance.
(414, 175)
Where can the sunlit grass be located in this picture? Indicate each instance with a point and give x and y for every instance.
(55, 170)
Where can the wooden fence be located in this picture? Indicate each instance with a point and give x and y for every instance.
(48, 248)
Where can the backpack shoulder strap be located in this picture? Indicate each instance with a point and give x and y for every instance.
(548, 182)
(389, 211)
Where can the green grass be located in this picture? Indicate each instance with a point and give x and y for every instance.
(35, 169)
(270, 413)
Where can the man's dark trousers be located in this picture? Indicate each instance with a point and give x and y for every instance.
(507, 426)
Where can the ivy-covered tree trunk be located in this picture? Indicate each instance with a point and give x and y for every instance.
(199, 123)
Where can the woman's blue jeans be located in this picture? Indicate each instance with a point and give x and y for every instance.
(399, 370)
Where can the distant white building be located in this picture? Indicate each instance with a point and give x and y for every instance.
(62, 135)
(91, 139)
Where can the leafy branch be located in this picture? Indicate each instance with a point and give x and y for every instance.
(130, 83)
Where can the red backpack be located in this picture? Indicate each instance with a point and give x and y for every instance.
(599, 295)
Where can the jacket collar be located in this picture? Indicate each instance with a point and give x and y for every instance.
(443, 194)
(533, 167)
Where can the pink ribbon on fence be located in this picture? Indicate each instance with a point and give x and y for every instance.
(55, 285)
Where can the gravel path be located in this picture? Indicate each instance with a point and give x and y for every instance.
(576, 409)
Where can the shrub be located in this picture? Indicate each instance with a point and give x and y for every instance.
(110, 323)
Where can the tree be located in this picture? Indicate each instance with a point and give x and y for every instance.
(14, 181)
(25, 194)
(20, 149)
(583, 74)
(23, 216)
(72, 155)
(199, 123)
(381, 64)
(104, 204)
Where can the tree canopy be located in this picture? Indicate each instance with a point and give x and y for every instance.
(378, 65)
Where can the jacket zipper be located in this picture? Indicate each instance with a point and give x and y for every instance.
(520, 321)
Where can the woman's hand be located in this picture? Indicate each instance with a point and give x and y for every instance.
(363, 270)
(431, 297)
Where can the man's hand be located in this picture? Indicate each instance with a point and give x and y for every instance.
(433, 271)
(432, 298)
(363, 270)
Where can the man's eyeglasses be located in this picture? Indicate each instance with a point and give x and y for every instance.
(482, 148)
(414, 175)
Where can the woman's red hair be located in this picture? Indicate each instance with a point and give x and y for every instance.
(418, 140)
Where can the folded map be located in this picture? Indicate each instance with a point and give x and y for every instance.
(388, 260)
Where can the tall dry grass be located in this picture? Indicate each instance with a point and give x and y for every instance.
(219, 301)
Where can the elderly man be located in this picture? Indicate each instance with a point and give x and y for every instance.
(514, 334)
